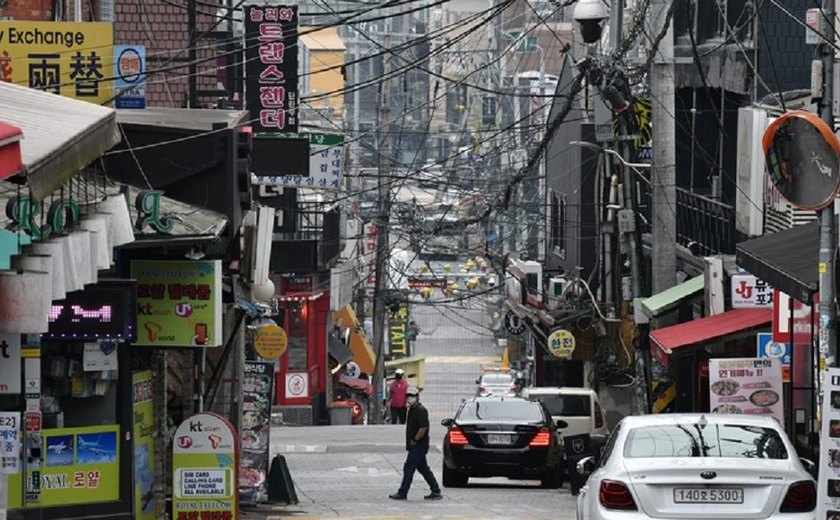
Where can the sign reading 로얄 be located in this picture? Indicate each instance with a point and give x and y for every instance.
(205, 468)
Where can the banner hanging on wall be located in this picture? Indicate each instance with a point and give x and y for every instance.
(144, 446)
(256, 430)
(746, 385)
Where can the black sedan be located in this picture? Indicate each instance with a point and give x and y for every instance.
(500, 436)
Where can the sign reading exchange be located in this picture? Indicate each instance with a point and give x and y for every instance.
(70, 59)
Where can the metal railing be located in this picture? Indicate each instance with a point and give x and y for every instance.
(707, 222)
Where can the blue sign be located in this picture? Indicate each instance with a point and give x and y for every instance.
(767, 348)
(130, 71)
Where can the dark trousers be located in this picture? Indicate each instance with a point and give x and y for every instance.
(398, 414)
(416, 460)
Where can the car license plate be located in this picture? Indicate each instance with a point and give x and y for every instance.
(708, 496)
(498, 438)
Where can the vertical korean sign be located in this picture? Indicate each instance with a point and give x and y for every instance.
(70, 59)
(204, 469)
(828, 487)
(144, 446)
(256, 434)
(746, 386)
(130, 81)
(179, 303)
(9, 443)
(272, 67)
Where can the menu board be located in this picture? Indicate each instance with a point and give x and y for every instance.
(746, 386)
(256, 434)
(828, 486)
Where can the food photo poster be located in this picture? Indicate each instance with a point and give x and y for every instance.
(256, 434)
(828, 485)
(751, 386)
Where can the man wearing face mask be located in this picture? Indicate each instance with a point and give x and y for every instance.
(399, 387)
(417, 444)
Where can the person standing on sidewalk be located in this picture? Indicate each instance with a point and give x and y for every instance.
(417, 445)
(399, 387)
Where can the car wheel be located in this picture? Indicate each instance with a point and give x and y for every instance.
(453, 479)
(554, 478)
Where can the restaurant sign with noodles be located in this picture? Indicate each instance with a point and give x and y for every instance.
(750, 386)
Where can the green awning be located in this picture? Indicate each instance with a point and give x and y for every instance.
(670, 298)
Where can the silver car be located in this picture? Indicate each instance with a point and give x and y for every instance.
(684, 466)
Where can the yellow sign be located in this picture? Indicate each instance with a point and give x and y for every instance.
(561, 343)
(70, 59)
(270, 341)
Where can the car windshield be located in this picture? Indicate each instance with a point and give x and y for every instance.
(565, 405)
(709, 440)
(490, 410)
(496, 379)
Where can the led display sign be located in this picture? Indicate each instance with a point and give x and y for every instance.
(105, 310)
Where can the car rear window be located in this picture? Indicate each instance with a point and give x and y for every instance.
(565, 405)
(713, 440)
(496, 379)
(501, 411)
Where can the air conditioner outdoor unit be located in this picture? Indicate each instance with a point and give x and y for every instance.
(556, 286)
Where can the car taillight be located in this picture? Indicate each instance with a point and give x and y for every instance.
(599, 419)
(457, 437)
(615, 495)
(542, 438)
(801, 498)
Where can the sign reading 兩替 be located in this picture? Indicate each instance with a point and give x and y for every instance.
(70, 59)
(205, 468)
(179, 303)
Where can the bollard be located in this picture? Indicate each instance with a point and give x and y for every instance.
(281, 487)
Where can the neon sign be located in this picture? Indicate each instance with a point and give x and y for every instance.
(106, 310)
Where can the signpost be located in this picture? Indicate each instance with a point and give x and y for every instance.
(205, 468)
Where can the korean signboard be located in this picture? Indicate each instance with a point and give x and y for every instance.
(271, 68)
(561, 343)
(828, 486)
(70, 59)
(746, 386)
(205, 468)
(256, 433)
(179, 303)
(325, 162)
(767, 348)
(79, 466)
(10, 442)
(130, 81)
(750, 292)
(10, 364)
(144, 446)
(398, 332)
(789, 311)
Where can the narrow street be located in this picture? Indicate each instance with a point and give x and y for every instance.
(348, 471)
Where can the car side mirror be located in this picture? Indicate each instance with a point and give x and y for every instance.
(447, 422)
(560, 423)
(585, 466)
(809, 466)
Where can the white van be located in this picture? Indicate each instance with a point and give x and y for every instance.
(577, 406)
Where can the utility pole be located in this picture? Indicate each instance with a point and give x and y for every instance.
(828, 338)
(663, 174)
(380, 305)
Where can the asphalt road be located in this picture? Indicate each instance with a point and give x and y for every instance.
(349, 471)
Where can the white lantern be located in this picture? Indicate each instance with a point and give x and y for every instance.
(26, 301)
(54, 250)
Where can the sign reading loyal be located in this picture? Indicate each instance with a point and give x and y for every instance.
(271, 68)
(179, 303)
(205, 469)
(70, 59)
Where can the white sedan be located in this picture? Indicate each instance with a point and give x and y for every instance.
(710, 466)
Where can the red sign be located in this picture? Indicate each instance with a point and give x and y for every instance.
(32, 421)
(804, 321)
(296, 284)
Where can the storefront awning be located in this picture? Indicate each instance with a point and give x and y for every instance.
(666, 300)
(359, 345)
(338, 350)
(666, 340)
(11, 162)
(61, 135)
(787, 260)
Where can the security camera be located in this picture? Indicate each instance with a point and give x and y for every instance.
(589, 14)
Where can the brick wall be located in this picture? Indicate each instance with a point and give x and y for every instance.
(162, 27)
(27, 10)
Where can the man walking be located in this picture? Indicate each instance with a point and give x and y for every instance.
(399, 387)
(417, 445)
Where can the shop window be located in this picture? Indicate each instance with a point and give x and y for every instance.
(297, 346)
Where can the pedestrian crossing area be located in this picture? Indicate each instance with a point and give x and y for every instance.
(463, 360)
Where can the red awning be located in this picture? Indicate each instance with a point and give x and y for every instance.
(667, 339)
(10, 159)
